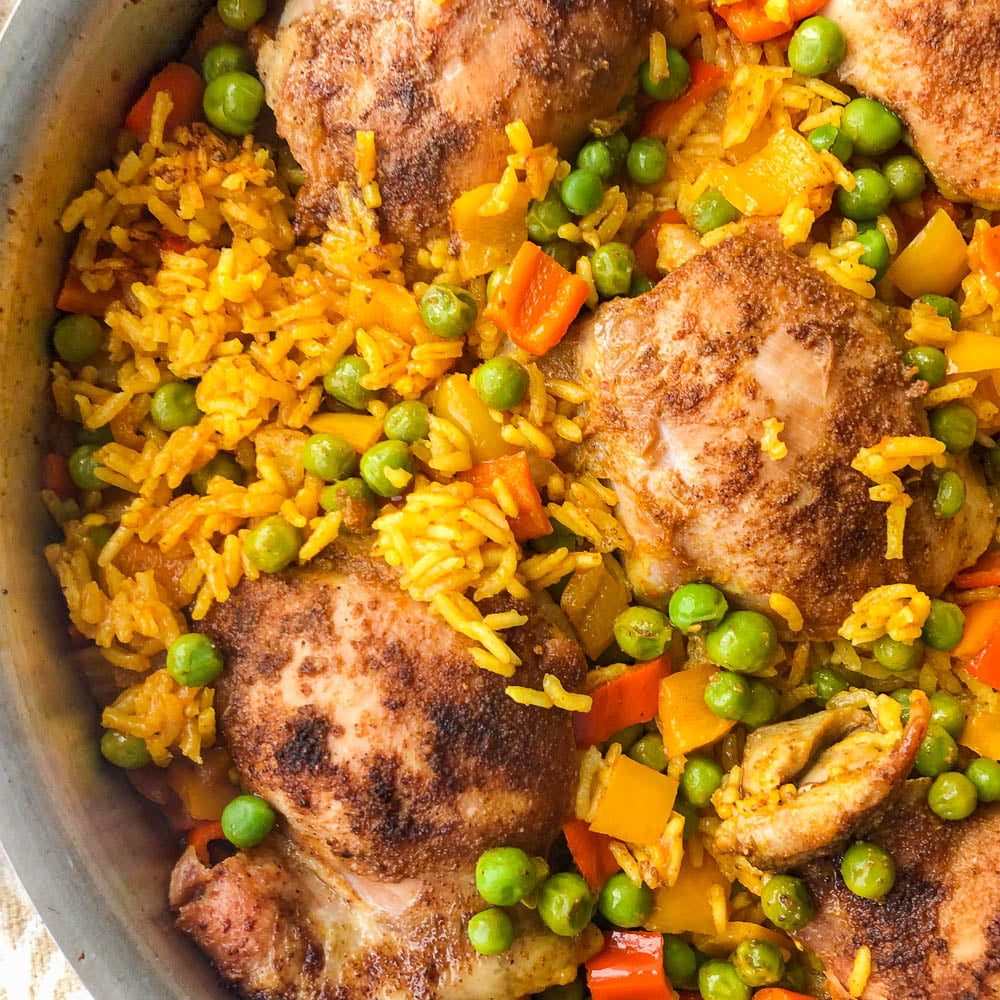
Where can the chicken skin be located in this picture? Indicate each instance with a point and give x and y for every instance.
(437, 83)
(937, 933)
(682, 380)
(936, 64)
(394, 762)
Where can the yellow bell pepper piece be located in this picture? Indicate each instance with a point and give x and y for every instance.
(686, 905)
(361, 429)
(982, 733)
(487, 242)
(390, 305)
(592, 600)
(764, 183)
(456, 400)
(685, 721)
(636, 803)
(935, 261)
(973, 352)
(736, 932)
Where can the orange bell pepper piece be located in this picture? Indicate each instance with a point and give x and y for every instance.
(645, 248)
(988, 246)
(636, 803)
(74, 297)
(980, 621)
(749, 23)
(986, 572)
(686, 906)
(629, 967)
(776, 993)
(981, 733)
(186, 89)
(537, 300)
(591, 853)
(630, 698)
(707, 80)
(685, 721)
(201, 835)
(513, 470)
(56, 477)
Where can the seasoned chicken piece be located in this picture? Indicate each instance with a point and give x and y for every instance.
(936, 64)
(275, 929)
(437, 83)
(846, 769)
(393, 761)
(683, 379)
(937, 933)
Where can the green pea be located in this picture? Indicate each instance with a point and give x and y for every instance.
(241, 14)
(906, 176)
(896, 655)
(758, 962)
(124, 751)
(647, 160)
(493, 283)
(943, 306)
(764, 705)
(227, 57)
(173, 406)
(222, 465)
(869, 199)
(938, 752)
(876, 253)
(930, 363)
(786, 902)
(697, 605)
(829, 683)
(100, 535)
(626, 737)
(408, 421)
(623, 903)
(491, 932)
(565, 904)
(677, 80)
(717, 980)
(582, 192)
(902, 695)
(194, 660)
(952, 796)
(380, 457)
(947, 712)
(700, 780)
(575, 990)
(505, 875)
(871, 126)
(955, 425)
(233, 102)
(831, 139)
(448, 311)
(501, 383)
(680, 962)
(564, 253)
(950, 496)
(711, 211)
(343, 382)
(546, 216)
(744, 641)
(329, 456)
(596, 157)
(83, 468)
(619, 145)
(76, 337)
(728, 695)
(98, 436)
(612, 265)
(985, 777)
(642, 633)
(944, 625)
(648, 750)
(247, 820)
(868, 870)
(991, 465)
(817, 47)
(290, 170)
(353, 499)
(272, 544)
(690, 814)
(560, 537)
(639, 284)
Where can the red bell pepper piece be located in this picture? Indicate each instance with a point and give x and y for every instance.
(749, 23)
(645, 248)
(986, 573)
(707, 80)
(591, 853)
(629, 968)
(630, 698)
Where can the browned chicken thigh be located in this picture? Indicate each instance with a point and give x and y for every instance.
(682, 380)
(437, 83)
(936, 63)
(394, 761)
(937, 933)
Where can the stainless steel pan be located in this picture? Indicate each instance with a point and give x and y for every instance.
(93, 858)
